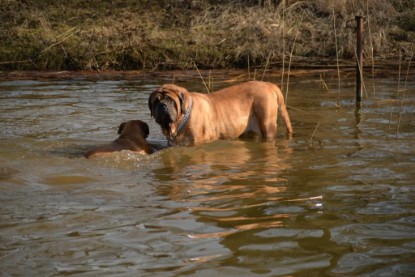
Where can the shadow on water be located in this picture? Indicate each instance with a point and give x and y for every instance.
(336, 199)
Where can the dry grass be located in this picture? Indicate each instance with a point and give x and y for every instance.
(167, 34)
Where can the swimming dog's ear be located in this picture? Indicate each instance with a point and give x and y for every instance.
(144, 128)
(122, 125)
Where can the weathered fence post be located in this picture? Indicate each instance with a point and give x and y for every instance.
(359, 53)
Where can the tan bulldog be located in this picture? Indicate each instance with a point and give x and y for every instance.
(194, 118)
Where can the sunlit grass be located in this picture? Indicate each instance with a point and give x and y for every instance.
(127, 34)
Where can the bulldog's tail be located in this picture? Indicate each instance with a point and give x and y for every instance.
(284, 112)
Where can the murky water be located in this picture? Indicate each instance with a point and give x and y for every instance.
(336, 199)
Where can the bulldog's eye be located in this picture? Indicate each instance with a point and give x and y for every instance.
(169, 98)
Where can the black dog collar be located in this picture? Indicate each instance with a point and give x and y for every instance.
(184, 121)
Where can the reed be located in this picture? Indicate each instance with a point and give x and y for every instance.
(323, 83)
(404, 92)
(290, 60)
(210, 81)
(371, 49)
(266, 65)
(398, 90)
(312, 135)
(283, 44)
(249, 70)
(201, 77)
(337, 59)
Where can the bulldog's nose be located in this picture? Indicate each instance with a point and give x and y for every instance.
(163, 106)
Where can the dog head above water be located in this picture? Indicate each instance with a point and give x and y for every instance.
(167, 104)
(132, 136)
(132, 127)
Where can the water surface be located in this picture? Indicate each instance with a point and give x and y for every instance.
(336, 199)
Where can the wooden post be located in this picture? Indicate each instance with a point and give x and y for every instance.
(359, 68)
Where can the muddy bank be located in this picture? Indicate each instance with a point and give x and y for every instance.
(166, 35)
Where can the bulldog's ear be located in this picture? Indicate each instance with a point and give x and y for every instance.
(144, 128)
(122, 125)
(183, 101)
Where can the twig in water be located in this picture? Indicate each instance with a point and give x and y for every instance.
(312, 136)
(297, 109)
(323, 83)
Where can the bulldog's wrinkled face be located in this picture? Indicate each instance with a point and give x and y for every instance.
(164, 111)
(166, 105)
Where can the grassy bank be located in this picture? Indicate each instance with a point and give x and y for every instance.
(168, 34)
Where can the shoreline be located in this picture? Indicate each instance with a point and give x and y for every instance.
(183, 35)
(382, 71)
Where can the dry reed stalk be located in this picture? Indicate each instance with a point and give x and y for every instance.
(337, 59)
(297, 109)
(249, 70)
(266, 65)
(63, 34)
(371, 49)
(323, 83)
(283, 45)
(56, 43)
(234, 79)
(289, 62)
(399, 88)
(403, 94)
(312, 135)
(201, 77)
(13, 62)
(210, 81)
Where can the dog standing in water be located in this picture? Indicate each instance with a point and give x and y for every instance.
(193, 118)
(132, 137)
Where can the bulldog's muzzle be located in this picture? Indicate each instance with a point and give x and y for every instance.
(165, 114)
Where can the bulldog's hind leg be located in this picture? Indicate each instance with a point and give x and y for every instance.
(268, 130)
(267, 119)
